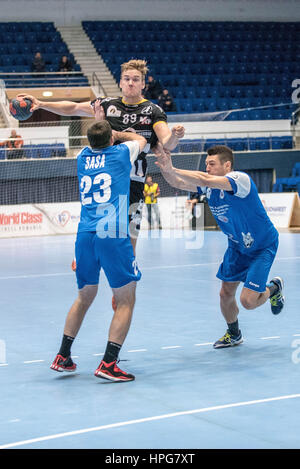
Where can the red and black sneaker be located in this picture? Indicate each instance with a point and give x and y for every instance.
(63, 364)
(112, 372)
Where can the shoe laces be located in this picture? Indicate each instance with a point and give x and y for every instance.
(275, 298)
(226, 337)
(58, 358)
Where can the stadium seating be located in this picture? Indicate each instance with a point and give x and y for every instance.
(210, 66)
(43, 150)
(19, 41)
(296, 170)
(237, 144)
(290, 184)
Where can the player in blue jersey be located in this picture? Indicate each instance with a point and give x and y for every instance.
(252, 238)
(103, 242)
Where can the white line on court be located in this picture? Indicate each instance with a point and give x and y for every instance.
(159, 267)
(34, 361)
(137, 350)
(203, 344)
(147, 419)
(270, 338)
(171, 346)
(57, 274)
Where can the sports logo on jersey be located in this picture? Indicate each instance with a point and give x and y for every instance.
(208, 192)
(102, 100)
(248, 240)
(221, 194)
(130, 129)
(112, 111)
(147, 110)
(160, 108)
(145, 120)
(223, 218)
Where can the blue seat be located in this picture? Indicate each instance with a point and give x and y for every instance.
(296, 170)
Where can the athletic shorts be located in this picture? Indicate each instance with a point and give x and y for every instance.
(136, 202)
(252, 270)
(114, 255)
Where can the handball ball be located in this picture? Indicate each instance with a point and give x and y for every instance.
(20, 108)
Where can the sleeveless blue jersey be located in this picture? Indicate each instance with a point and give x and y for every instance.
(240, 214)
(104, 182)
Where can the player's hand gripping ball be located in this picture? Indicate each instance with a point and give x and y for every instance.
(20, 108)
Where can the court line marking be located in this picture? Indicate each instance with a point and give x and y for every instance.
(146, 350)
(148, 419)
(171, 346)
(33, 361)
(204, 343)
(269, 338)
(137, 350)
(59, 274)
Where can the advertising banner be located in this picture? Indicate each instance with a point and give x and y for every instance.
(283, 208)
(39, 219)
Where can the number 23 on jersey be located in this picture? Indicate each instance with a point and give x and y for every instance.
(97, 189)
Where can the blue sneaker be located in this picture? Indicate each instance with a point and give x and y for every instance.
(228, 340)
(277, 300)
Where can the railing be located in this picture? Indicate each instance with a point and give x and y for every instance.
(100, 88)
(52, 78)
(294, 121)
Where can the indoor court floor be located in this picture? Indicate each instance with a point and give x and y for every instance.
(186, 394)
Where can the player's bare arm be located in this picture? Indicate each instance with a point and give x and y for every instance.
(189, 180)
(62, 108)
(167, 137)
(128, 137)
(98, 110)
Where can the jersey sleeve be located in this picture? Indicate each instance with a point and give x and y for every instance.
(201, 190)
(240, 183)
(134, 150)
(159, 114)
(103, 101)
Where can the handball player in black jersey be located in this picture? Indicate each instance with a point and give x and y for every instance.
(130, 112)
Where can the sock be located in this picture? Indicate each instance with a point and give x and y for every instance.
(273, 287)
(234, 328)
(66, 344)
(112, 352)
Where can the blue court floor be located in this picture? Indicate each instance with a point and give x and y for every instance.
(186, 394)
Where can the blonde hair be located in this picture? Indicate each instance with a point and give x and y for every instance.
(135, 64)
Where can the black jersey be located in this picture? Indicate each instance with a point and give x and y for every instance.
(140, 118)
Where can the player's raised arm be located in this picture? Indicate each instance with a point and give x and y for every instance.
(167, 137)
(62, 108)
(129, 137)
(189, 180)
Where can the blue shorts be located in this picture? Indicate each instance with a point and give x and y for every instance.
(252, 270)
(114, 255)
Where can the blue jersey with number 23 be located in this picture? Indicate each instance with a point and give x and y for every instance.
(104, 181)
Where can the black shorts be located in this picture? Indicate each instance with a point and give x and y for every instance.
(136, 203)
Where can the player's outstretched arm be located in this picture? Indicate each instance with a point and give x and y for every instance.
(129, 137)
(62, 108)
(170, 173)
(189, 180)
(167, 137)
